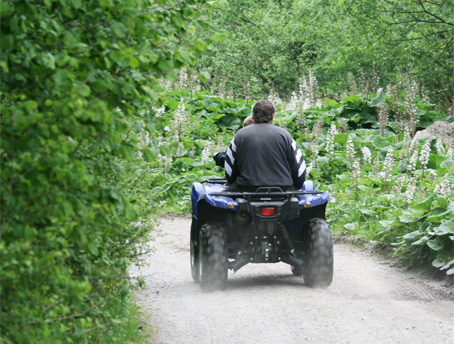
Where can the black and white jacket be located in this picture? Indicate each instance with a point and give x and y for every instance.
(264, 155)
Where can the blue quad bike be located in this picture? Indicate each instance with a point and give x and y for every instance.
(232, 229)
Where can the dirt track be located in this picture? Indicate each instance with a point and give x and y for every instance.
(368, 302)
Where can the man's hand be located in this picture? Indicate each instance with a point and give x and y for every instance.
(219, 158)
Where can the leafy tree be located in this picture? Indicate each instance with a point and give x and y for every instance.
(79, 79)
(412, 37)
(269, 45)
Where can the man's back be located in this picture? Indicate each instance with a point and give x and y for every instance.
(264, 155)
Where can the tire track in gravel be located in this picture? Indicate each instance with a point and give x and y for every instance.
(368, 301)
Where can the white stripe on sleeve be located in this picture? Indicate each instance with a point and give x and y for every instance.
(233, 145)
(298, 156)
(302, 168)
(227, 168)
(230, 155)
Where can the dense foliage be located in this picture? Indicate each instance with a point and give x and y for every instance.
(385, 185)
(93, 145)
(272, 44)
(79, 79)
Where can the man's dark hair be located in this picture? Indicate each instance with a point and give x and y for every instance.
(263, 111)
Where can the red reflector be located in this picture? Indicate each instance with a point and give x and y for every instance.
(267, 211)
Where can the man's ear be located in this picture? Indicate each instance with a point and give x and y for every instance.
(271, 120)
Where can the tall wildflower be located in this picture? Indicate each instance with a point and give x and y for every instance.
(411, 188)
(412, 165)
(356, 170)
(393, 93)
(441, 150)
(206, 157)
(192, 153)
(166, 84)
(302, 89)
(301, 121)
(309, 168)
(451, 110)
(411, 109)
(444, 188)
(363, 85)
(356, 174)
(352, 83)
(312, 87)
(291, 106)
(330, 139)
(424, 95)
(375, 80)
(305, 93)
(166, 163)
(221, 88)
(180, 150)
(424, 155)
(159, 111)
(145, 138)
(376, 165)
(399, 184)
(343, 126)
(180, 120)
(390, 92)
(206, 153)
(413, 146)
(366, 154)
(246, 85)
(406, 151)
(350, 151)
(219, 146)
(401, 127)
(182, 82)
(274, 97)
(317, 128)
(383, 118)
(313, 147)
(387, 167)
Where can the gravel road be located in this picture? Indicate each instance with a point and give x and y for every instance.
(368, 302)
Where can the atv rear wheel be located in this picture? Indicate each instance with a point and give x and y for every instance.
(194, 257)
(297, 270)
(318, 262)
(212, 260)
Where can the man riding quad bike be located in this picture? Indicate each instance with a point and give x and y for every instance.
(232, 229)
(265, 215)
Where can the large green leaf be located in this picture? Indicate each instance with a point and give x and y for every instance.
(425, 205)
(229, 121)
(435, 244)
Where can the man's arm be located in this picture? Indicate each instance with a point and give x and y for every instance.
(298, 166)
(231, 170)
(219, 158)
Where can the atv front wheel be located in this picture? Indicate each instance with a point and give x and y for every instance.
(318, 262)
(212, 259)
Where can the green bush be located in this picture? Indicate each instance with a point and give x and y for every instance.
(79, 79)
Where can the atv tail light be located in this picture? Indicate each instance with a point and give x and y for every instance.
(267, 211)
